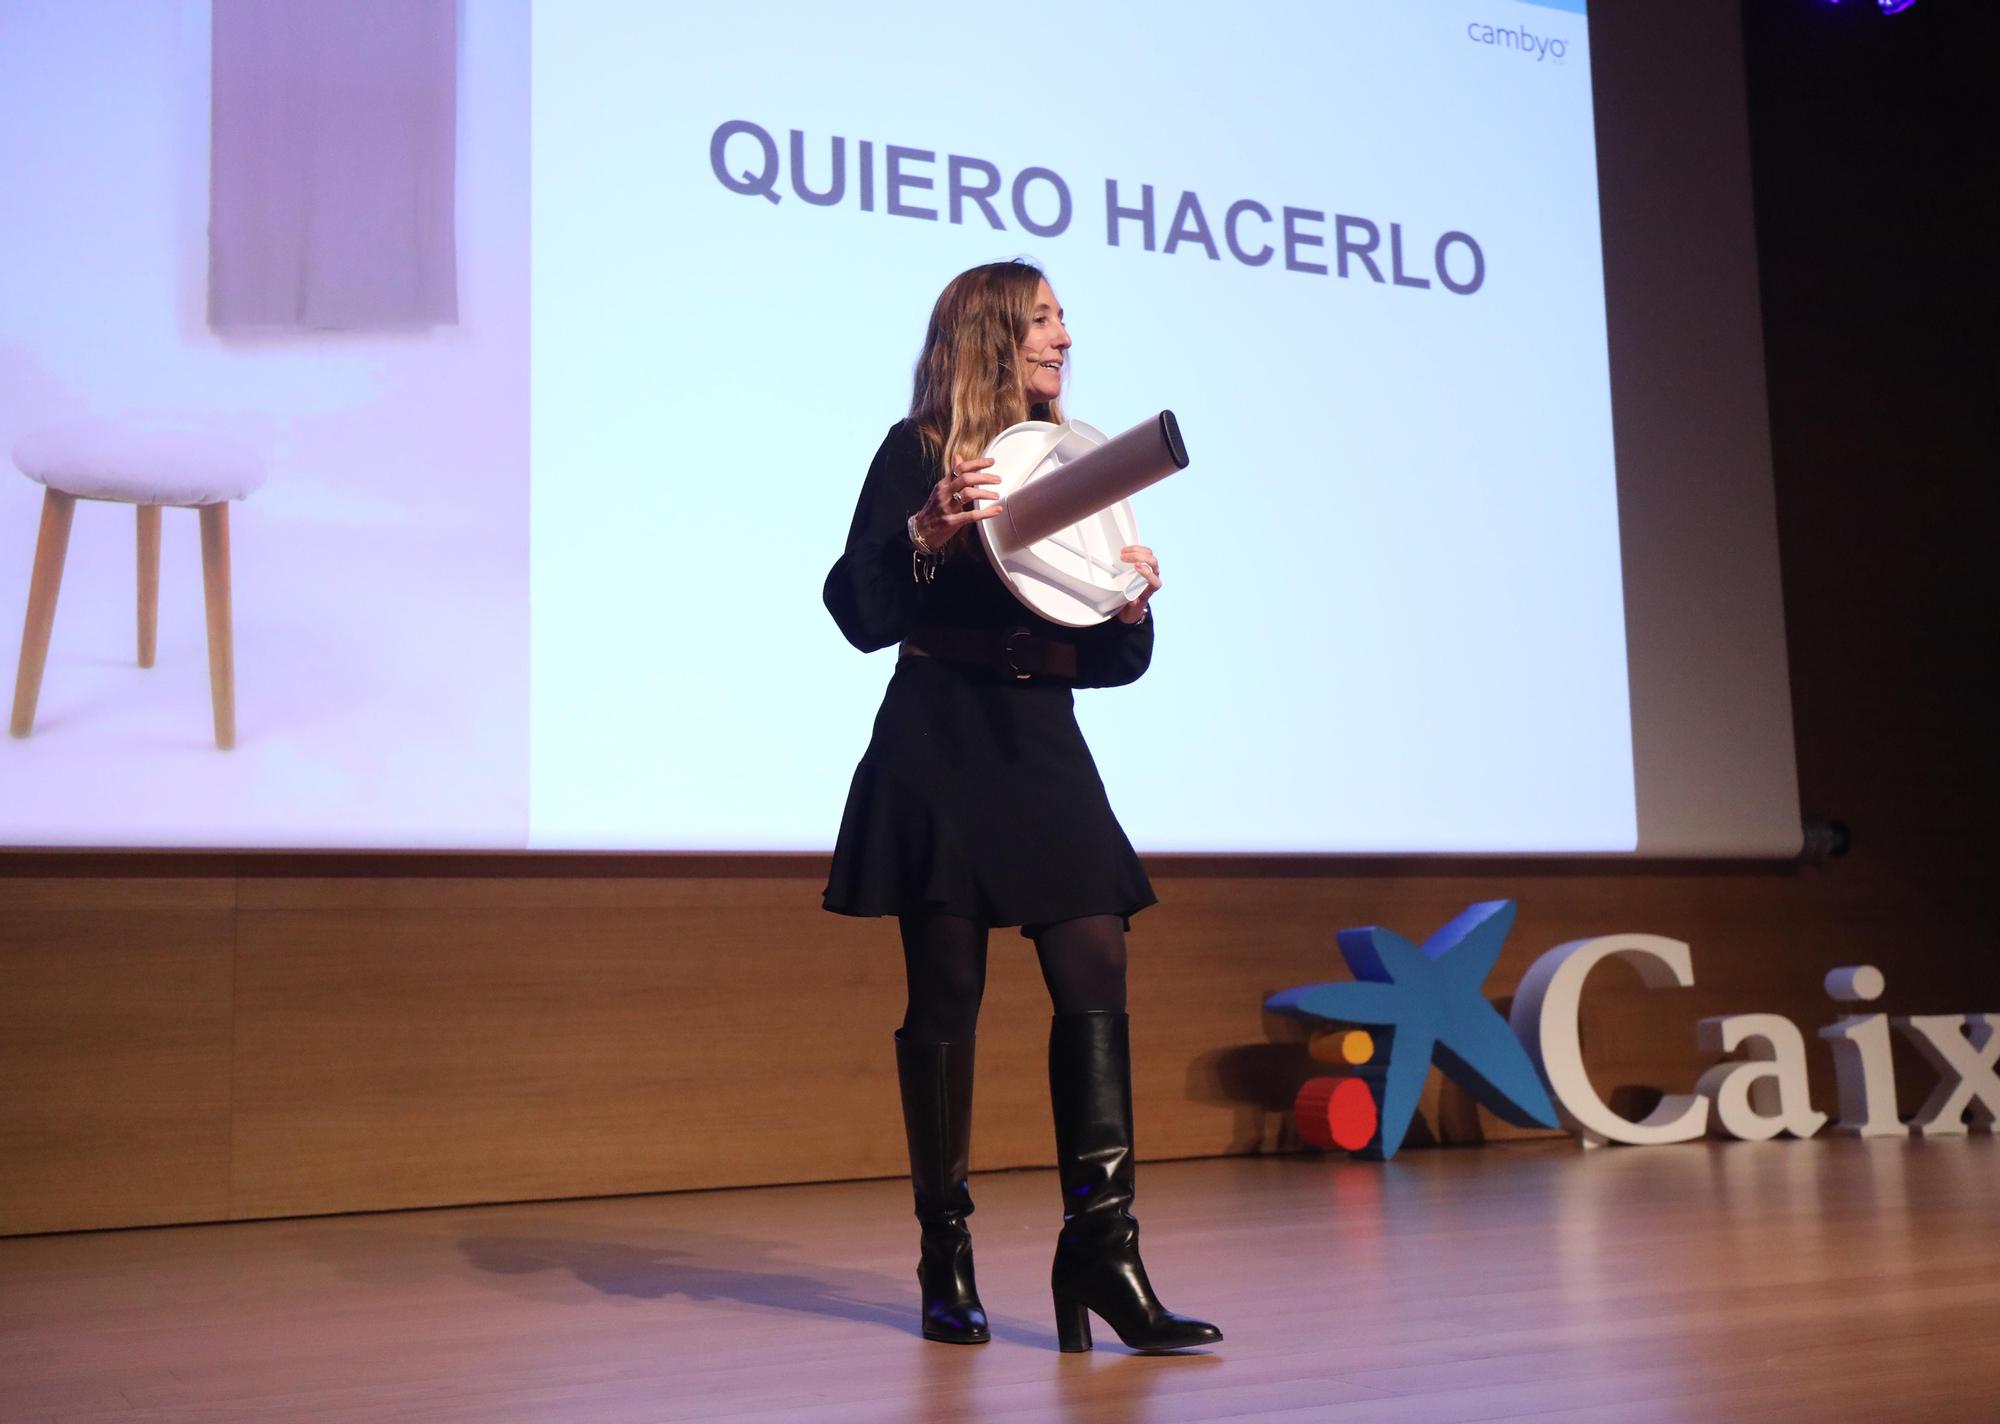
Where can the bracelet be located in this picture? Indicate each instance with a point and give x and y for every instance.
(924, 559)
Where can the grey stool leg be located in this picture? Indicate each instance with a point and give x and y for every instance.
(221, 641)
(51, 548)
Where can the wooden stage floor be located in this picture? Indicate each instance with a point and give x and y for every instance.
(1820, 1280)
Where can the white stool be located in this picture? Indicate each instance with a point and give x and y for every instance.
(148, 464)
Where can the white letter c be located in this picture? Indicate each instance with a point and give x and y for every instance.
(1544, 1018)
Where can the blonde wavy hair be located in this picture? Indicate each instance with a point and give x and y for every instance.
(969, 385)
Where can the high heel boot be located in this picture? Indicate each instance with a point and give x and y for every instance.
(937, 1118)
(1097, 1266)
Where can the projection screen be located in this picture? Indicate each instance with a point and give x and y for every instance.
(1455, 303)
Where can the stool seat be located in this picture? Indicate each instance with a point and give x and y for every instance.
(157, 461)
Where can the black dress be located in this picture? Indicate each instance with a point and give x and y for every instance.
(977, 795)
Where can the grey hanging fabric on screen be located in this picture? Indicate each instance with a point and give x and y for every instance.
(333, 138)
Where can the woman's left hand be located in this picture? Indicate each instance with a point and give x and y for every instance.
(1148, 565)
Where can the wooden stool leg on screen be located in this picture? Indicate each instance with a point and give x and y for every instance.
(221, 639)
(149, 583)
(44, 583)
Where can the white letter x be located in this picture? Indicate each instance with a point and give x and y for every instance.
(1964, 1062)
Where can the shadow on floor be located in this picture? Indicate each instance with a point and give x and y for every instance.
(686, 1268)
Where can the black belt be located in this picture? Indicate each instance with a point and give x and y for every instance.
(1015, 653)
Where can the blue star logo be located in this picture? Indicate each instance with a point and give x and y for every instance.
(1432, 1001)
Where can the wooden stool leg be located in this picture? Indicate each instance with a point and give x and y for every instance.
(221, 644)
(149, 582)
(51, 547)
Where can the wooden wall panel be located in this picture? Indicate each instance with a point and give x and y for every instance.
(409, 1039)
(416, 1041)
(114, 1051)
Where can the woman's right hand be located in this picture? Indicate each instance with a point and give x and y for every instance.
(953, 501)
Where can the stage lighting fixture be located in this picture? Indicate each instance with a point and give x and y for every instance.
(1824, 839)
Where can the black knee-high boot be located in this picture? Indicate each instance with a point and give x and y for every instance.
(937, 1119)
(1097, 1266)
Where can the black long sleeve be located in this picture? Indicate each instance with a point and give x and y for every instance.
(869, 590)
(1113, 653)
(873, 597)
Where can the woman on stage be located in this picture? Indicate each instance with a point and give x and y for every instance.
(977, 805)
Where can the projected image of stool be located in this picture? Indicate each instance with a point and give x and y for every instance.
(150, 466)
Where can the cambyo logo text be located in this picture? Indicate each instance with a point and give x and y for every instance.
(1520, 40)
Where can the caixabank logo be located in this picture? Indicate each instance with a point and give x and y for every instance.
(1427, 1005)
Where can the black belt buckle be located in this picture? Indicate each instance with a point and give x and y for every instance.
(1023, 654)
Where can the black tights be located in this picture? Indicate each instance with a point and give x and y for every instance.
(1083, 963)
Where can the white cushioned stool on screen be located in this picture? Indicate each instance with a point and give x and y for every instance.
(149, 464)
